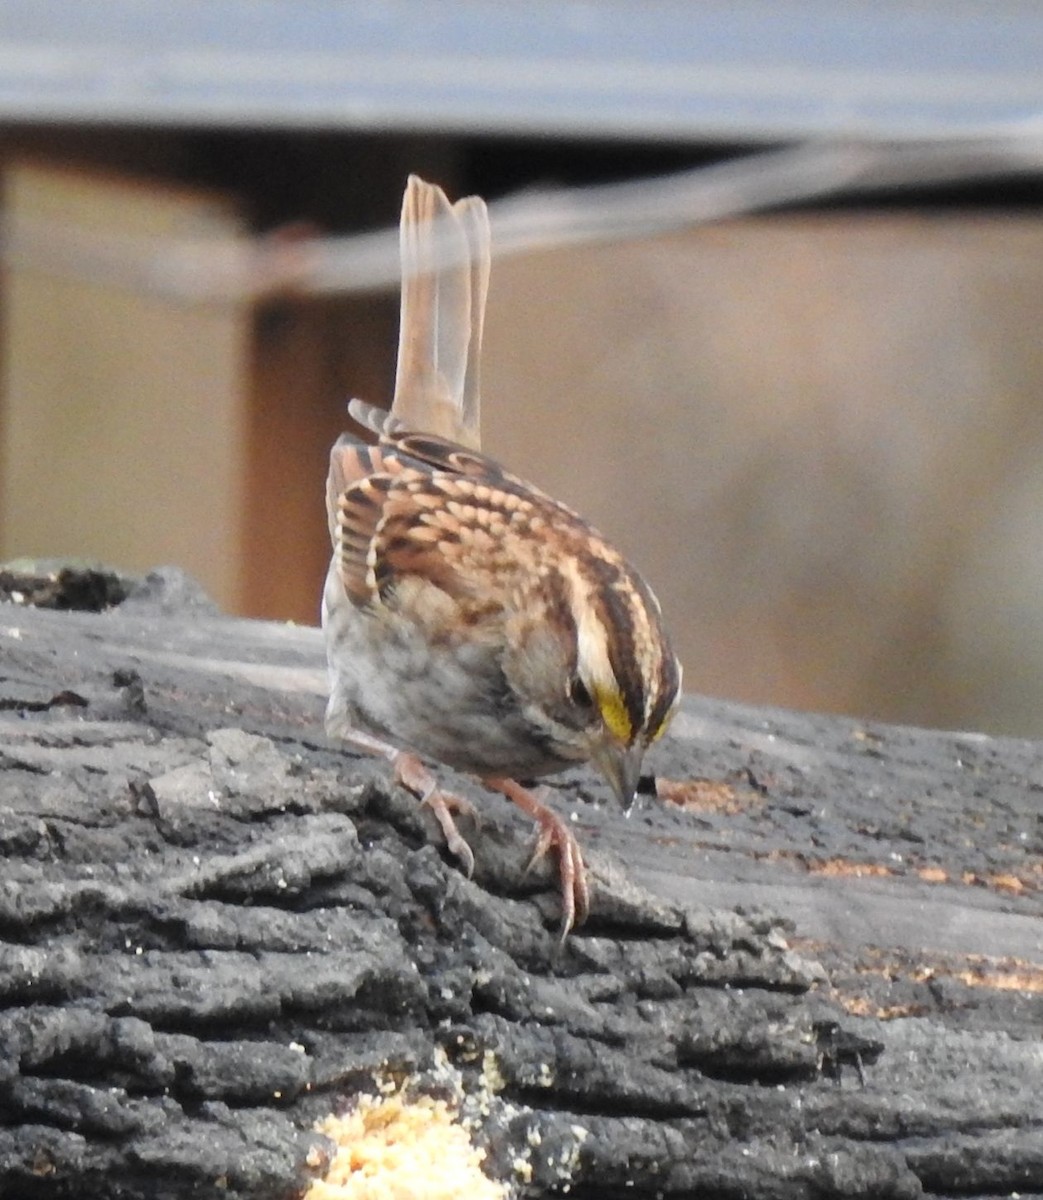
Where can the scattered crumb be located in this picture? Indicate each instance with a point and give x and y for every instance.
(400, 1143)
(932, 874)
(1003, 974)
(865, 735)
(862, 1006)
(394, 1148)
(1004, 882)
(703, 795)
(845, 867)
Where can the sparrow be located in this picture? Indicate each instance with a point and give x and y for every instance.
(471, 619)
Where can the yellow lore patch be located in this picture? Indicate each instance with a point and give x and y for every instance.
(614, 713)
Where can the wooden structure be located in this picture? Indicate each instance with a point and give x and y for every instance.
(142, 425)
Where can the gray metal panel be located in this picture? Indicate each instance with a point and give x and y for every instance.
(669, 70)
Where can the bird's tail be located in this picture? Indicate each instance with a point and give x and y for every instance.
(445, 279)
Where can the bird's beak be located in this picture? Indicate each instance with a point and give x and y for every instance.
(621, 766)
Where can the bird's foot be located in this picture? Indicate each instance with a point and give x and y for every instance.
(411, 773)
(553, 832)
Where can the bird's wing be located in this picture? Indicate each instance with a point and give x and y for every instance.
(442, 527)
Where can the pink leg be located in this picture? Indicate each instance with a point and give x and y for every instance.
(411, 773)
(575, 894)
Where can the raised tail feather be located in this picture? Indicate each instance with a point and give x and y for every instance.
(437, 382)
(437, 385)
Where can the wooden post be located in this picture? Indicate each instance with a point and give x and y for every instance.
(124, 410)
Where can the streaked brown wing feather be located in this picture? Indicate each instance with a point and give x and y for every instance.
(420, 506)
(444, 455)
(350, 462)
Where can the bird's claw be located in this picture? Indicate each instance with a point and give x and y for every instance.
(411, 773)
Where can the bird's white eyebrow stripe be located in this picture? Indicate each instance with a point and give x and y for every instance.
(617, 644)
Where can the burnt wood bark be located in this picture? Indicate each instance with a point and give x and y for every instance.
(814, 969)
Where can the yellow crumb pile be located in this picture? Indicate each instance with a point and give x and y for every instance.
(391, 1148)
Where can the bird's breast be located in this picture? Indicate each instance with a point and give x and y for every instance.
(442, 697)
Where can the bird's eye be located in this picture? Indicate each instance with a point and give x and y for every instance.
(578, 693)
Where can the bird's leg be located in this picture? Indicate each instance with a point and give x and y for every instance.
(410, 773)
(553, 831)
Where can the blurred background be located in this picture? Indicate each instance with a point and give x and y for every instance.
(766, 306)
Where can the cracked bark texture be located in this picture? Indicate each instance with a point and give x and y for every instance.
(816, 970)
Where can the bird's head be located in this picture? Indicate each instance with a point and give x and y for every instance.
(598, 669)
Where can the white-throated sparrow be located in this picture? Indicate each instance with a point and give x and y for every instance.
(469, 617)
